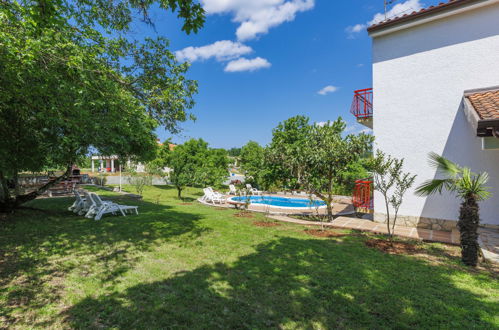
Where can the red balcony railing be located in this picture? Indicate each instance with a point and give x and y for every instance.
(362, 105)
(362, 194)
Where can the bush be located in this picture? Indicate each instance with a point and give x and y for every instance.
(139, 181)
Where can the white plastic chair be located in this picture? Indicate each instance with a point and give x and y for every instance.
(88, 207)
(103, 207)
(252, 190)
(216, 193)
(211, 197)
(78, 203)
(232, 189)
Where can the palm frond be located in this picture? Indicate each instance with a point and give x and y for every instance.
(444, 165)
(473, 184)
(434, 186)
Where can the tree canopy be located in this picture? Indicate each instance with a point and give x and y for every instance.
(195, 164)
(73, 80)
(315, 158)
(285, 154)
(252, 162)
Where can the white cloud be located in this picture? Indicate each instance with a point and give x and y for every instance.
(244, 64)
(256, 17)
(397, 10)
(321, 123)
(366, 131)
(357, 129)
(224, 50)
(327, 90)
(355, 28)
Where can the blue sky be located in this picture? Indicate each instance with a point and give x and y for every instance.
(271, 60)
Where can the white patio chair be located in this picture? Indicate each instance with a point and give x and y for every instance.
(232, 189)
(252, 190)
(78, 203)
(89, 207)
(216, 193)
(211, 197)
(104, 207)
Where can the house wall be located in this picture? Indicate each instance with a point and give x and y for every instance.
(419, 76)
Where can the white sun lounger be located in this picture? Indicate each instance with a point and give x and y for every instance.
(78, 204)
(105, 207)
(212, 197)
(232, 189)
(252, 190)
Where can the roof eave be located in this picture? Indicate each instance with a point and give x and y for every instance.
(422, 17)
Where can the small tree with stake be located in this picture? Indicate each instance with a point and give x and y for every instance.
(392, 183)
(470, 187)
(327, 154)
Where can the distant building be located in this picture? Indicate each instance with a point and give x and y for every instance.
(112, 163)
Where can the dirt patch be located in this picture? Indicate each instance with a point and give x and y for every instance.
(266, 224)
(243, 215)
(324, 233)
(392, 247)
(221, 208)
(186, 203)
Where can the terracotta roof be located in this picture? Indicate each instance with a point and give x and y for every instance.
(422, 13)
(486, 104)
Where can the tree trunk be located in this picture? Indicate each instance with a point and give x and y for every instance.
(179, 192)
(4, 189)
(468, 227)
(329, 212)
(390, 234)
(17, 190)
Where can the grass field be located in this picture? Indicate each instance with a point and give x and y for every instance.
(180, 264)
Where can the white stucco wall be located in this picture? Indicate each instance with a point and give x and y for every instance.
(419, 76)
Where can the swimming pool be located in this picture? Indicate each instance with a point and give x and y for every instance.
(281, 202)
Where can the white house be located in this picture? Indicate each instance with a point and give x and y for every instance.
(436, 88)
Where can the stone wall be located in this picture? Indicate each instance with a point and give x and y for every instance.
(419, 222)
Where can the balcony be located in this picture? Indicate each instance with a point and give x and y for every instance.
(362, 106)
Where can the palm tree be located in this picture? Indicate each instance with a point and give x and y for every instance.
(468, 186)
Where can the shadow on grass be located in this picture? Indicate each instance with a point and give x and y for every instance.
(184, 198)
(31, 240)
(298, 283)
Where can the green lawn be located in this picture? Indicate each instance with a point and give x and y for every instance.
(192, 266)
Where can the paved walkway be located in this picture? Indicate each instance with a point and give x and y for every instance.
(366, 225)
(489, 241)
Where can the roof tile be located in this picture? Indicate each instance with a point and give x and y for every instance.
(486, 104)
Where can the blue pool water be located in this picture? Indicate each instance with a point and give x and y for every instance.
(280, 201)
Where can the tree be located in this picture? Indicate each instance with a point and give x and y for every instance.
(392, 183)
(252, 162)
(327, 153)
(161, 160)
(139, 181)
(193, 163)
(285, 156)
(234, 152)
(73, 80)
(468, 186)
(314, 157)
